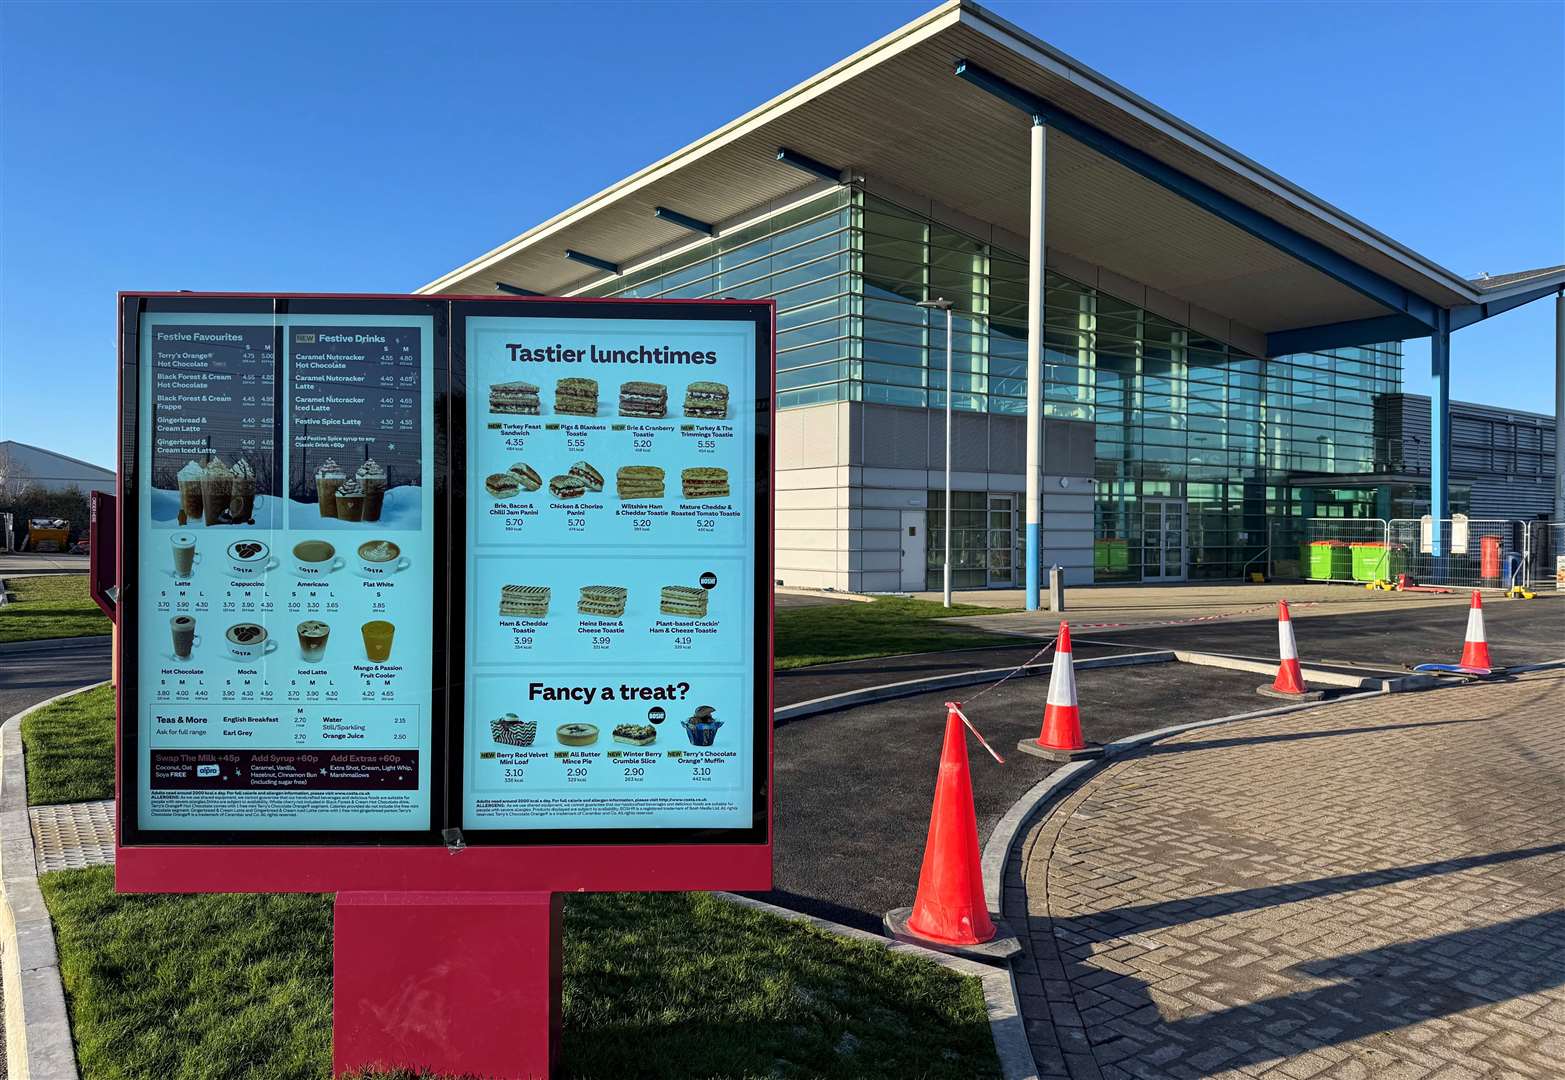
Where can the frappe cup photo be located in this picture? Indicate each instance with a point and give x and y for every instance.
(381, 558)
(249, 557)
(312, 640)
(249, 641)
(377, 640)
(185, 555)
(190, 501)
(183, 629)
(315, 558)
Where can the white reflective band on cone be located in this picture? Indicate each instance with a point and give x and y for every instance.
(1285, 646)
(1062, 681)
(1475, 624)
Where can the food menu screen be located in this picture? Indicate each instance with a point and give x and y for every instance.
(610, 573)
(285, 572)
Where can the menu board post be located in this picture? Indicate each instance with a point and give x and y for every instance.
(448, 606)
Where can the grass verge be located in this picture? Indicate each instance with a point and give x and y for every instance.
(49, 606)
(656, 985)
(69, 749)
(826, 633)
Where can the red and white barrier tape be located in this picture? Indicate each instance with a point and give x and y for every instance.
(956, 707)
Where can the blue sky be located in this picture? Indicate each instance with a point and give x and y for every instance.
(370, 148)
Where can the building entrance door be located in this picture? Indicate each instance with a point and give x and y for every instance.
(1002, 541)
(915, 551)
(1163, 546)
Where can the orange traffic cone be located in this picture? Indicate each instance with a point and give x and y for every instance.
(1475, 650)
(949, 912)
(1290, 680)
(1061, 738)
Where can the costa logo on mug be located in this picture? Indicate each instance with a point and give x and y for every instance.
(381, 558)
(248, 641)
(249, 557)
(315, 558)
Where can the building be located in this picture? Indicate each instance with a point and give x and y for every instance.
(23, 465)
(1200, 350)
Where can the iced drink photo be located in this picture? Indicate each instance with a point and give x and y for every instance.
(377, 640)
(328, 478)
(312, 640)
(372, 478)
(217, 489)
(241, 506)
(190, 502)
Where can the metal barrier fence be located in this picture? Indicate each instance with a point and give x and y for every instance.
(1544, 547)
(1474, 552)
(1329, 548)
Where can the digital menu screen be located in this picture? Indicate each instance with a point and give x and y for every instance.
(284, 572)
(610, 573)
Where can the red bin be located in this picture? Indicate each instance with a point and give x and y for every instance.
(1489, 552)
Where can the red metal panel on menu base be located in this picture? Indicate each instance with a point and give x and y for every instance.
(465, 985)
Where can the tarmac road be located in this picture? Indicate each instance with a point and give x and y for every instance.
(32, 671)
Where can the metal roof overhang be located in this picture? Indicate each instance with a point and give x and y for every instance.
(897, 111)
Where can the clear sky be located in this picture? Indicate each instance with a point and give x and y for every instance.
(371, 147)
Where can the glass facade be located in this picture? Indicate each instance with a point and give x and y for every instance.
(1178, 416)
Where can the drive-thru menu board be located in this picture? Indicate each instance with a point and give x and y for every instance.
(284, 569)
(611, 568)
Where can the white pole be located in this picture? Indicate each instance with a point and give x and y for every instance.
(948, 457)
(1559, 406)
(1035, 257)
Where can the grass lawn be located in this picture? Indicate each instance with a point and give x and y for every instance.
(656, 985)
(69, 749)
(49, 606)
(824, 633)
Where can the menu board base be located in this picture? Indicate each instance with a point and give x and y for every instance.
(575, 868)
(489, 961)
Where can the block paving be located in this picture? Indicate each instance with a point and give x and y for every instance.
(1373, 888)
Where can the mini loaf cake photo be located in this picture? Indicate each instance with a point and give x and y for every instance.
(513, 731)
(502, 485)
(704, 482)
(576, 734)
(706, 401)
(605, 600)
(529, 600)
(575, 396)
(634, 482)
(567, 486)
(590, 478)
(526, 476)
(636, 734)
(683, 601)
(643, 399)
(514, 397)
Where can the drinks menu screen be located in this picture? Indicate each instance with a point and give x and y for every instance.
(284, 572)
(610, 573)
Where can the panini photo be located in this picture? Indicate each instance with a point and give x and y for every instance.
(575, 396)
(502, 485)
(704, 482)
(567, 486)
(590, 478)
(530, 600)
(706, 401)
(514, 397)
(605, 600)
(526, 476)
(634, 482)
(644, 399)
(683, 601)
(513, 731)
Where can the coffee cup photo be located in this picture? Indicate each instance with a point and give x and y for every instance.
(186, 557)
(183, 629)
(315, 558)
(381, 558)
(249, 641)
(250, 557)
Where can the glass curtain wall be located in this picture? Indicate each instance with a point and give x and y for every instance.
(1177, 415)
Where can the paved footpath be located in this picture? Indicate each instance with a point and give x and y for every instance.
(1374, 888)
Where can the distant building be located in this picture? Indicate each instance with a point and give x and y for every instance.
(23, 465)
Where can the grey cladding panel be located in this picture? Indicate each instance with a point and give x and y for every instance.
(969, 441)
(896, 438)
(1008, 444)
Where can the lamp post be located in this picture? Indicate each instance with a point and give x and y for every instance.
(944, 305)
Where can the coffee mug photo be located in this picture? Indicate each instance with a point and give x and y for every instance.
(381, 558)
(250, 557)
(249, 641)
(315, 558)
